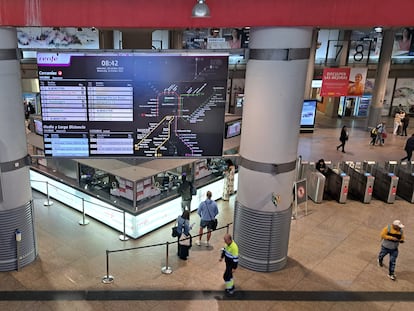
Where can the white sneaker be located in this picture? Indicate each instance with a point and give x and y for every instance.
(392, 277)
(208, 244)
(198, 243)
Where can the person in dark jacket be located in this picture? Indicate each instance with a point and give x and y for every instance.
(343, 138)
(405, 121)
(185, 190)
(409, 147)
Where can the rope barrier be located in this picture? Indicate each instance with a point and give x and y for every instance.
(108, 279)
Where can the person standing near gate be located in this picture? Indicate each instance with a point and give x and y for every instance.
(392, 236)
(231, 255)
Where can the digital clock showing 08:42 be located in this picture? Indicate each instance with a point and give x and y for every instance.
(109, 63)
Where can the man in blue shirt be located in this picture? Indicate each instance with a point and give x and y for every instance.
(207, 211)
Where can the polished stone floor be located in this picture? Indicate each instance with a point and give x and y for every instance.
(331, 264)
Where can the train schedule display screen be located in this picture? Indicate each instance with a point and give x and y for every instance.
(132, 104)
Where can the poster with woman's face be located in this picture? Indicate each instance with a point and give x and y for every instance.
(357, 78)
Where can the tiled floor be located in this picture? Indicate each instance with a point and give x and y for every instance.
(331, 265)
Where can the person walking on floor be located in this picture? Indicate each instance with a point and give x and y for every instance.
(343, 138)
(409, 147)
(405, 123)
(381, 133)
(392, 236)
(397, 122)
(230, 253)
(373, 134)
(184, 237)
(207, 211)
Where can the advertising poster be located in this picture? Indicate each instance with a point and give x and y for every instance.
(357, 78)
(403, 43)
(57, 37)
(335, 81)
(404, 94)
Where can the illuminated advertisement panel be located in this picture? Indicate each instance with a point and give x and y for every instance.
(307, 119)
(132, 104)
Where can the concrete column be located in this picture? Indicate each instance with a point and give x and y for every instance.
(311, 65)
(383, 68)
(16, 208)
(275, 84)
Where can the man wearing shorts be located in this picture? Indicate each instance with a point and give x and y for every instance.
(207, 211)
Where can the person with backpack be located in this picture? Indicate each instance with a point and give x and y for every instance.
(381, 133)
(391, 235)
(186, 191)
(374, 133)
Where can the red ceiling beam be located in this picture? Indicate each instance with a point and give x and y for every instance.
(224, 13)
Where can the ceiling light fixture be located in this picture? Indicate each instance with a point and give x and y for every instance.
(378, 29)
(201, 9)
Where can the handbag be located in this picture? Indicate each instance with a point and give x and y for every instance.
(185, 240)
(174, 232)
(212, 223)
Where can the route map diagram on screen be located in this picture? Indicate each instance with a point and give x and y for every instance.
(130, 104)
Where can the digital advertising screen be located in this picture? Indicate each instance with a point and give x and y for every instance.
(233, 128)
(132, 104)
(38, 126)
(307, 120)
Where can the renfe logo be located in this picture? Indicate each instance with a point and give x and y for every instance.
(47, 59)
(54, 59)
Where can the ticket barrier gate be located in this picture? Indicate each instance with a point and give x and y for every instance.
(405, 188)
(338, 184)
(361, 184)
(386, 183)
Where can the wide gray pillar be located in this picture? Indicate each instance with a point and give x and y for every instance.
(16, 208)
(275, 84)
(381, 77)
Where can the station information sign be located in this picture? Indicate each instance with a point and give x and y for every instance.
(132, 104)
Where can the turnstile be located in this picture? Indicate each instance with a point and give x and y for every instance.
(337, 184)
(361, 184)
(315, 181)
(315, 184)
(386, 183)
(405, 189)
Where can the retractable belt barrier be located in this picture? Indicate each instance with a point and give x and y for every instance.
(386, 183)
(361, 184)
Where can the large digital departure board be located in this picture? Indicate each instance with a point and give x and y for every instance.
(132, 104)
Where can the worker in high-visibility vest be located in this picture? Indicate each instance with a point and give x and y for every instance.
(231, 254)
